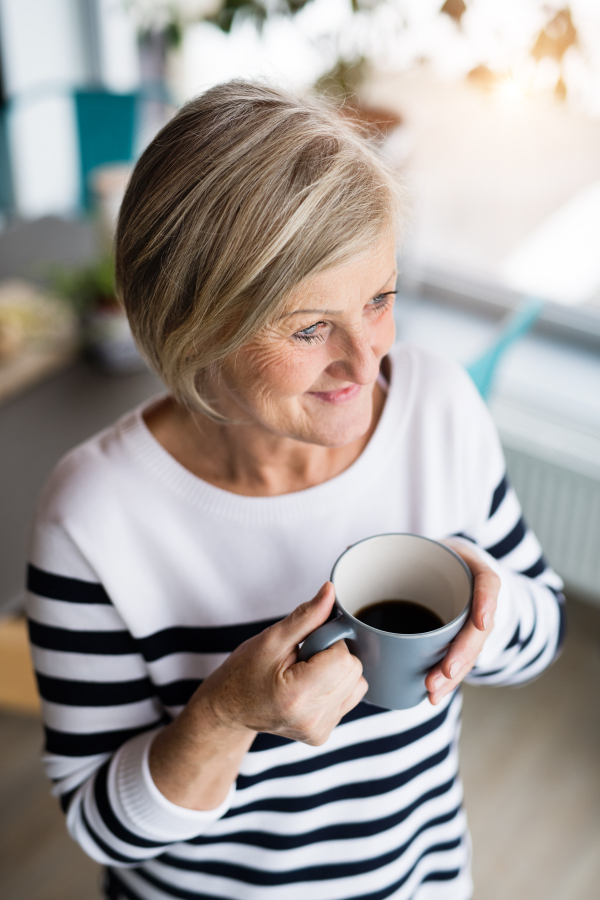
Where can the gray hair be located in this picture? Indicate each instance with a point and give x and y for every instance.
(243, 195)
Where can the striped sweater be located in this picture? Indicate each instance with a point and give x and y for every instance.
(142, 578)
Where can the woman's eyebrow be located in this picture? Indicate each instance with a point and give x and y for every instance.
(314, 312)
(330, 312)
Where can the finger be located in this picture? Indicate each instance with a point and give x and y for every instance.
(485, 599)
(296, 627)
(350, 673)
(346, 706)
(445, 685)
(329, 669)
(447, 688)
(486, 584)
(459, 659)
(359, 691)
(464, 649)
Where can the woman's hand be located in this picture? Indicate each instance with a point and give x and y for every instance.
(466, 646)
(259, 687)
(262, 687)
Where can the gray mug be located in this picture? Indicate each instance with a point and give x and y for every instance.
(386, 567)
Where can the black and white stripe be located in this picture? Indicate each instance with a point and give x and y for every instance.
(373, 814)
(535, 640)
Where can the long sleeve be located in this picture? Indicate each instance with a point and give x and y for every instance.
(100, 711)
(530, 621)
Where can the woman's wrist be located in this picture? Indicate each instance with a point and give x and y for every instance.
(194, 760)
(208, 710)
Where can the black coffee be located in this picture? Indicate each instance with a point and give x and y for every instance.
(399, 617)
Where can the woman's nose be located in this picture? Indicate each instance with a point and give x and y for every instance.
(358, 361)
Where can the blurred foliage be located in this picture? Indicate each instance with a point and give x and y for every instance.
(556, 37)
(455, 9)
(170, 17)
(252, 9)
(87, 288)
(483, 76)
(173, 33)
(343, 80)
(341, 84)
(258, 11)
(552, 42)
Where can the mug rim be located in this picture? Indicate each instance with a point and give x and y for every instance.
(398, 634)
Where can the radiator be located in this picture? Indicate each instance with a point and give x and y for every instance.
(553, 461)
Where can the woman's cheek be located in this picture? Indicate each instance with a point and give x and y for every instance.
(301, 372)
(288, 371)
(387, 333)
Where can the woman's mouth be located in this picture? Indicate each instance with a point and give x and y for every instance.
(341, 396)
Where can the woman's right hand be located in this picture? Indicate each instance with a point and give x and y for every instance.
(260, 687)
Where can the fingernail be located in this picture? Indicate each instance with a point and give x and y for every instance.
(454, 669)
(436, 683)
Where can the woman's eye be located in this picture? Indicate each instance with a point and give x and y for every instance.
(382, 300)
(309, 335)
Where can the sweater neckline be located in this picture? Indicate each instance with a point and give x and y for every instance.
(142, 447)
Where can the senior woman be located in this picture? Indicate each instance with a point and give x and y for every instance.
(175, 554)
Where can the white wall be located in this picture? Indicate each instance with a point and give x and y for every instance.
(44, 57)
(119, 58)
(40, 43)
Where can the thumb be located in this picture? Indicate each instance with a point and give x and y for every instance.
(296, 627)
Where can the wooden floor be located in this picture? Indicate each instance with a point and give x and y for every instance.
(531, 767)
(530, 762)
(38, 860)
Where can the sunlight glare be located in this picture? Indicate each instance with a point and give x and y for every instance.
(510, 91)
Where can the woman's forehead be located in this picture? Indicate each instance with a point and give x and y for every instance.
(357, 280)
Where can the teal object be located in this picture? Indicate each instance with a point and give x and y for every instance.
(483, 369)
(7, 200)
(106, 125)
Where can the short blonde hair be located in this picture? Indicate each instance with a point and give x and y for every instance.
(244, 194)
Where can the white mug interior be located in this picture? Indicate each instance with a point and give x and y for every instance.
(402, 567)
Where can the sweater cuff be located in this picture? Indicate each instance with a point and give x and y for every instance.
(142, 808)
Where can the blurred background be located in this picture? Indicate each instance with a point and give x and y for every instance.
(490, 109)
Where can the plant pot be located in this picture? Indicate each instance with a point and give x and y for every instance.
(380, 123)
(108, 342)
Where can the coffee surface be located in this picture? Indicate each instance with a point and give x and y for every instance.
(399, 617)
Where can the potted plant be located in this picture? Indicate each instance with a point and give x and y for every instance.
(105, 334)
(342, 84)
(162, 25)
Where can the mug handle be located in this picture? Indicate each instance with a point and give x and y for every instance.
(324, 637)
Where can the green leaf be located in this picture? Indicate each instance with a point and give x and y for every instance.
(87, 287)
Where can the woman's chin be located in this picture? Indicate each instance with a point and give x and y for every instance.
(338, 427)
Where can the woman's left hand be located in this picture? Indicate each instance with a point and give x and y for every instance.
(466, 646)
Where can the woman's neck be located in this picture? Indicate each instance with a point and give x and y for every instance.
(246, 460)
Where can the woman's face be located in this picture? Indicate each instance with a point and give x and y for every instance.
(310, 375)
